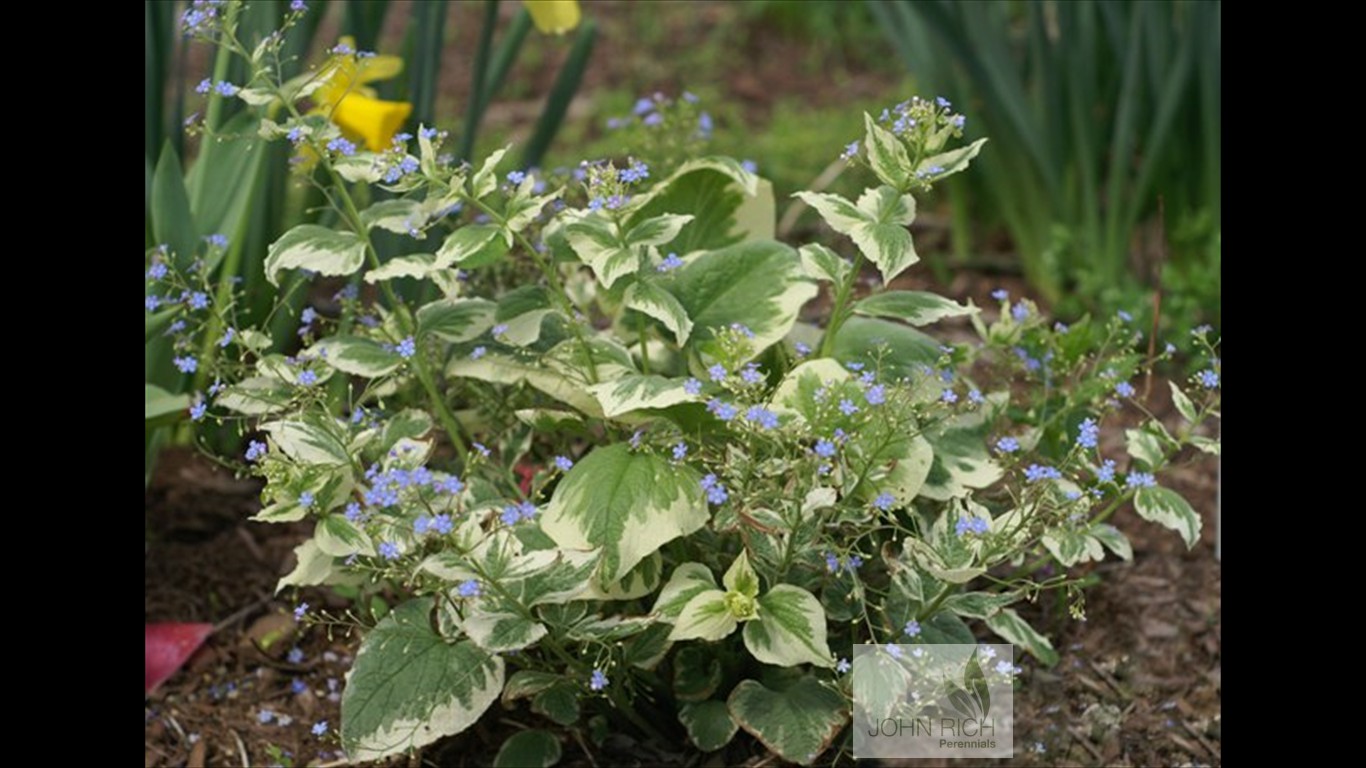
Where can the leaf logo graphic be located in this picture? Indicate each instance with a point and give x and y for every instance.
(972, 699)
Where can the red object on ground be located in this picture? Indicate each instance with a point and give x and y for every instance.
(168, 645)
(527, 471)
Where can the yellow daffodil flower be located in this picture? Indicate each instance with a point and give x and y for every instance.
(344, 97)
(553, 17)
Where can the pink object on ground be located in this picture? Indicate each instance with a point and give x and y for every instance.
(168, 645)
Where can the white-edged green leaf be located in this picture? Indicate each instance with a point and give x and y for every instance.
(308, 443)
(686, 582)
(473, 245)
(532, 748)
(914, 307)
(522, 311)
(417, 265)
(726, 200)
(979, 605)
(953, 161)
(312, 566)
(697, 673)
(795, 394)
(398, 216)
(597, 243)
(554, 576)
(884, 239)
(1113, 539)
(1144, 446)
(842, 215)
(740, 576)
(358, 356)
(886, 154)
(498, 632)
(160, 403)
(485, 180)
(409, 686)
(1008, 624)
(525, 683)
(1072, 547)
(322, 250)
(501, 369)
(638, 582)
(759, 284)
(648, 648)
(629, 504)
(1168, 509)
(1183, 403)
(1206, 444)
(961, 462)
(932, 562)
(798, 723)
(559, 702)
(879, 684)
(822, 263)
(657, 230)
(456, 320)
(705, 617)
(338, 537)
(914, 458)
(524, 208)
(639, 391)
(708, 723)
(647, 297)
(362, 167)
(256, 97)
(790, 629)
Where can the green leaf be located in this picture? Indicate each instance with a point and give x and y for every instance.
(740, 576)
(914, 307)
(798, 723)
(907, 348)
(638, 391)
(308, 442)
(648, 648)
(647, 297)
(953, 161)
(338, 537)
(657, 230)
(760, 285)
(398, 216)
(718, 193)
(471, 246)
(522, 310)
(1168, 509)
(979, 605)
(1205, 444)
(961, 461)
(172, 223)
(697, 674)
(790, 629)
(932, 562)
(455, 320)
(821, 263)
(485, 180)
(1071, 547)
(879, 684)
(256, 396)
(598, 243)
(358, 356)
(1183, 403)
(946, 628)
(526, 683)
(409, 687)
(313, 566)
(706, 616)
(687, 581)
(417, 265)
(708, 723)
(877, 225)
(1144, 446)
(638, 582)
(499, 632)
(532, 748)
(886, 154)
(1008, 624)
(1113, 539)
(629, 504)
(322, 250)
(161, 404)
(559, 702)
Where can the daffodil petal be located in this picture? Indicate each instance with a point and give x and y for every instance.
(378, 68)
(372, 120)
(553, 17)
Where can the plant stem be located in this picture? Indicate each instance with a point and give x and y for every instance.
(839, 314)
(644, 348)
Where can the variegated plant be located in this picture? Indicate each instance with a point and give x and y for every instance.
(856, 482)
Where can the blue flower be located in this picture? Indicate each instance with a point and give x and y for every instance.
(742, 329)
(1125, 316)
(227, 337)
(306, 499)
(1000, 294)
(670, 263)
(1087, 433)
(692, 386)
(975, 395)
(637, 171)
(848, 408)
(973, 524)
(1140, 480)
(300, 610)
(516, 177)
(319, 728)
(1124, 389)
(765, 418)
(943, 102)
(204, 86)
(265, 716)
(186, 364)
(298, 6)
(427, 133)
(470, 588)
(226, 89)
(802, 349)
(295, 655)
(876, 395)
(1208, 379)
(894, 651)
(850, 150)
(1007, 445)
(598, 681)
(643, 106)
(308, 378)
(511, 514)
(422, 524)
(722, 410)
(157, 270)
(498, 330)
(884, 501)
(843, 666)
(217, 240)
(297, 686)
(477, 353)
(353, 512)
(912, 628)
(716, 493)
(527, 510)
(832, 563)
(717, 372)
(341, 146)
(1037, 472)
(949, 396)
(1019, 312)
(198, 410)
(680, 450)
(407, 348)
(443, 524)
(825, 448)
(563, 463)
(750, 374)
(255, 450)
(452, 484)
(388, 550)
